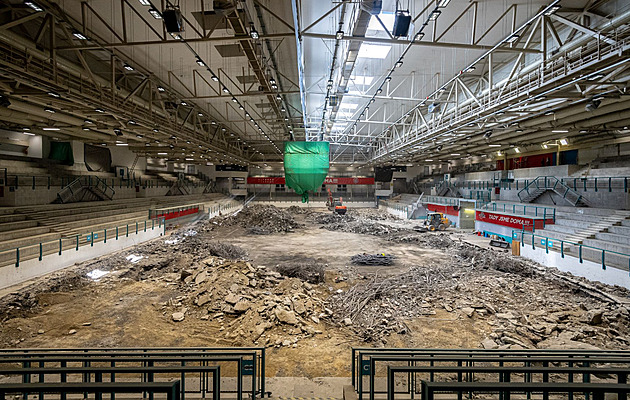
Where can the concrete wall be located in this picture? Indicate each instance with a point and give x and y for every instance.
(11, 275)
(586, 269)
(11, 143)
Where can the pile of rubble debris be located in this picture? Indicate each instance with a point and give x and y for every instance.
(253, 304)
(526, 305)
(363, 227)
(298, 210)
(263, 219)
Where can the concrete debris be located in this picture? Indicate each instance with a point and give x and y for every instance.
(263, 219)
(524, 304)
(312, 272)
(298, 210)
(253, 303)
(372, 259)
(178, 316)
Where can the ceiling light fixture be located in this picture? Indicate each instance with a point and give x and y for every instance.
(100, 110)
(161, 89)
(200, 62)
(560, 131)
(145, 2)
(339, 35)
(434, 15)
(50, 110)
(513, 38)
(128, 67)
(79, 35)
(225, 90)
(51, 129)
(155, 13)
(54, 94)
(564, 141)
(34, 6)
(254, 33)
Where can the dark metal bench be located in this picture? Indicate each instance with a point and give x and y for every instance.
(147, 359)
(599, 390)
(171, 389)
(503, 374)
(148, 376)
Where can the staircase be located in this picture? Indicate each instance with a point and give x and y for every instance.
(180, 187)
(93, 190)
(446, 189)
(542, 184)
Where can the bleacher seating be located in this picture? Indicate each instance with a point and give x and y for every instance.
(30, 225)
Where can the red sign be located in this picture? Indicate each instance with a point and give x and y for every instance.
(177, 214)
(272, 180)
(512, 221)
(449, 210)
(279, 180)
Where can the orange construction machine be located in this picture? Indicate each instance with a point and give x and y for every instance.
(335, 205)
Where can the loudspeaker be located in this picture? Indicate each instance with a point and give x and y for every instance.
(401, 24)
(173, 20)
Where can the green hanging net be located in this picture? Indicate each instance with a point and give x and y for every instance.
(305, 166)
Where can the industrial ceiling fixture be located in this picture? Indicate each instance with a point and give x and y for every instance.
(173, 20)
(339, 35)
(253, 32)
(592, 105)
(33, 5)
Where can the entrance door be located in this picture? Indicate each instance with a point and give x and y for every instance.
(467, 214)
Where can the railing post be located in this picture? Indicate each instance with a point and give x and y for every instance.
(105, 235)
(92, 239)
(59, 246)
(610, 184)
(596, 184)
(580, 254)
(17, 257)
(562, 249)
(33, 182)
(77, 246)
(41, 251)
(603, 259)
(116, 233)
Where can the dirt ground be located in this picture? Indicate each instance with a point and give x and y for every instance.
(67, 309)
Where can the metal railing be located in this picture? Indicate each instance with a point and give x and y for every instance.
(38, 250)
(247, 364)
(542, 183)
(521, 209)
(578, 250)
(370, 363)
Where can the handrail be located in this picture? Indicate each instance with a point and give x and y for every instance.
(39, 249)
(547, 240)
(544, 214)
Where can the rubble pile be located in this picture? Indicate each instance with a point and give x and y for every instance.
(252, 303)
(332, 218)
(372, 259)
(298, 210)
(363, 227)
(263, 219)
(307, 271)
(374, 214)
(526, 305)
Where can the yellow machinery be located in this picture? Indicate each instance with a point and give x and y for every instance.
(436, 222)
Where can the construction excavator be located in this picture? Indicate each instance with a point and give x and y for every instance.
(335, 205)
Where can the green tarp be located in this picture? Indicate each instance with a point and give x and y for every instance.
(305, 166)
(62, 152)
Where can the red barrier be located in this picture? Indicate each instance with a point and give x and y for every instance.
(177, 214)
